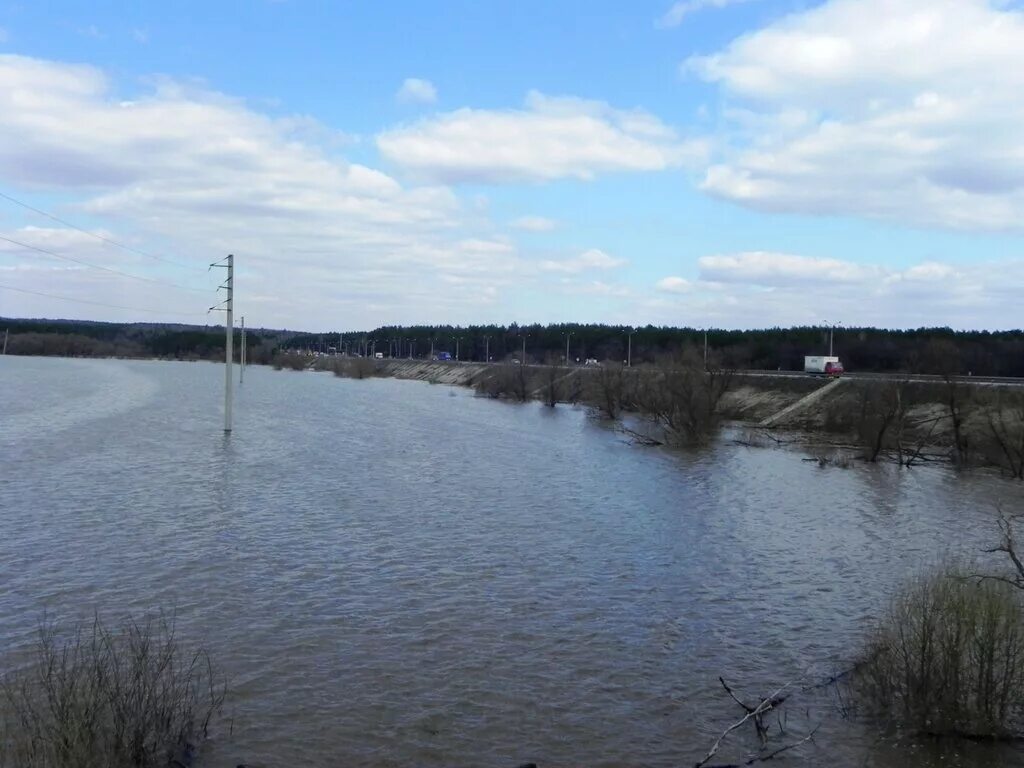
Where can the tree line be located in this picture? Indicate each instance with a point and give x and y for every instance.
(74, 338)
(921, 350)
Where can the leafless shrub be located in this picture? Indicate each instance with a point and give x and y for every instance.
(948, 657)
(354, 367)
(507, 380)
(95, 697)
(682, 398)
(290, 360)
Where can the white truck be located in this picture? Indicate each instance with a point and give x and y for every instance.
(830, 366)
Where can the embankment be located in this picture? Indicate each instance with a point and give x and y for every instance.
(912, 419)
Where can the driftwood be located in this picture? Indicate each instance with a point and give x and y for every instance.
(770, 756)
(638, 437)
(756, 715)
(1008, 546)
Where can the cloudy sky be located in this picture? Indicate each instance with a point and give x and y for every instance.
(732, 163)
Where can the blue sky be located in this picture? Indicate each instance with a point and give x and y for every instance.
(732, 163)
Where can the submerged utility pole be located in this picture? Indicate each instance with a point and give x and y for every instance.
(241, 356)
(228, 307)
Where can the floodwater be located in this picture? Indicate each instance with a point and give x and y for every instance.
(399, 574)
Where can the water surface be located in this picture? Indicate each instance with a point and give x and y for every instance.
(394, 573)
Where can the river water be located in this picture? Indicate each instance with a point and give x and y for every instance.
(398, 574)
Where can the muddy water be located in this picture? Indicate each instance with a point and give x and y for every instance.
(394, 573)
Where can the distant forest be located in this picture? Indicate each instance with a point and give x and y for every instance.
(923, 350)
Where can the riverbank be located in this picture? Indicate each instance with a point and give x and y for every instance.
(910, 420)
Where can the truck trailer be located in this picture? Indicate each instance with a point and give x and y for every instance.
(829, 366)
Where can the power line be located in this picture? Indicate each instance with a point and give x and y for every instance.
(97, 303)
(109, 240)
(98, 266)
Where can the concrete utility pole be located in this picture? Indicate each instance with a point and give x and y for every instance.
(523, 361)
(487, 349)
(567, 337)
(6, 333)
(431, 347)
(241, 356)
(229, 306)
(629, 349)
(705, 349)
(458, 341)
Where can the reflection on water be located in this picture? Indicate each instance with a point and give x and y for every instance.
(395, 576)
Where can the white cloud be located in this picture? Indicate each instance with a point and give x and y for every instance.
(600, 288)
(905, 110)
(763, 289)
(588, 260)
(535, 224)
(193, 175)
(4, 36)
(674, 284)
(552, 138)
(767, 268)
(140, 35)
(679, 11)
(416, 91)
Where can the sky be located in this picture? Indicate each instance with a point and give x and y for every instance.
(722, 163)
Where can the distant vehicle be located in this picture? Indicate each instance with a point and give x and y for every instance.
(444, 355)
(515, 361)
(829, 366)
(591, 361)
(379, 355)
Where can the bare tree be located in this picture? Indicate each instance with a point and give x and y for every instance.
(942, 356)
(1005, 422)
(883, 410)
(607, 390)
(552, 377)
(682, 398)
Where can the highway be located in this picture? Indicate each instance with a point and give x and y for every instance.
(991, 381)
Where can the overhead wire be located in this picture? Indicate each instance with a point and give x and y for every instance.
(105, 239)
(56, 255)
(99, 303)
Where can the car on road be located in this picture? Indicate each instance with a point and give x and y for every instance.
(820, 364)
